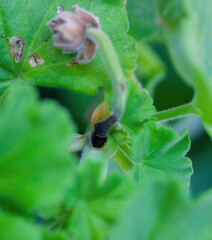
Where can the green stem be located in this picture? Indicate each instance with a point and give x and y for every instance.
(122, 158)
(114, 68)
(177, 112)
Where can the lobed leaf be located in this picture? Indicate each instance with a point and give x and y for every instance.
(163, 210)
(139, 107)
(159, 151)
(35, 165)
(98, 202)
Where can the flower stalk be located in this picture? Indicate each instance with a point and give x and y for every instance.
(113, 66)
(177, 112)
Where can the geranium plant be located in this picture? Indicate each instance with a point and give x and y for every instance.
(131, 178)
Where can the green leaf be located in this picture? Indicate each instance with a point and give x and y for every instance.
(97, 200)
(142, 19)
(163, 210)
(56, 235)
(120, 135)
(35, 165)
(148, 17)
(159, 151)
(192, 60)
(4, 86)
(28, 20)
(16, 228)
(171, 12)
(139, 107)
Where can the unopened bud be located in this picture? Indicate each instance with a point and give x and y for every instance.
(70, 33)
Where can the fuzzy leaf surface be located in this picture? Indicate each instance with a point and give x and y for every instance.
(98, 200)
(139, 106)
(27, 19)
(159, 151)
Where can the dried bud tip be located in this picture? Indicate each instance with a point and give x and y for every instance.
(86, 16)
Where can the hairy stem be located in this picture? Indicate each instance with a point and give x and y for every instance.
(177, 112)
(114, 68)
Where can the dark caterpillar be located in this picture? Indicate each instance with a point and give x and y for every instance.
(101, 130)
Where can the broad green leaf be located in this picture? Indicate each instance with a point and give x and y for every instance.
(16, 228)
(191, 53)
(3, 89)
(170, 12)
(28, 20)
(159, 151)
(147, 208)
(139, 107)
(142, 18)
(35, 166)
(150, 69)
(95, 201)
(56, 235)
(163, 210)
(148, 17)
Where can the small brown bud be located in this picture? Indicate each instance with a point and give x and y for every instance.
(100, 113)
(70, 34)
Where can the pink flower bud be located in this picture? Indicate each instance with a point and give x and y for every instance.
(70, 34)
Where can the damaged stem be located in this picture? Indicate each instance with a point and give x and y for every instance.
(113, 66)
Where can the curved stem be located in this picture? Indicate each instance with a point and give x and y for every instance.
(177, 112)
(122, 158)
(114, 68)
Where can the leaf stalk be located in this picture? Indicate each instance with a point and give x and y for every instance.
(176, 112)
(113, 66)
